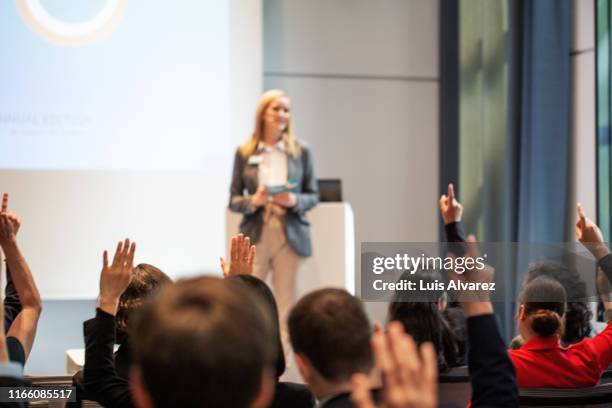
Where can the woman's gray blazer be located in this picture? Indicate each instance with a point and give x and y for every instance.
(245, 183)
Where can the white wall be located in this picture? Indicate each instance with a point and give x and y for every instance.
(246, 55)
(363, 77)
(583, 175)
(60, 327)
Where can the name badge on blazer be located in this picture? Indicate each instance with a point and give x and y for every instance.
(255, 160)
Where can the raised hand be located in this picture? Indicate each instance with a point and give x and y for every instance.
(475, 300)
(589, 234)
(450, 208)
(409, 374)
(8, 233)
(242, 255)
(116, 277)
(11, 218)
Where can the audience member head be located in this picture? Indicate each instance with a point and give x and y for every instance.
(261, 289)
(578, 315)
(202, 342)
(541, 310)
(145, 280)
(330, 335)
(420, 313)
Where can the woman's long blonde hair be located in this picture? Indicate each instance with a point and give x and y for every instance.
(292, 147)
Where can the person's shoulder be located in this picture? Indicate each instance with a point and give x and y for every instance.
(292, 394)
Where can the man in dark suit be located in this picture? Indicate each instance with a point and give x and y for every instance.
(330, 334)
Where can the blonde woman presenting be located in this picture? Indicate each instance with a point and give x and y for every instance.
(273, 186)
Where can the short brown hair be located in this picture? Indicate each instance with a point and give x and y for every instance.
(331, 328)
(202, 342)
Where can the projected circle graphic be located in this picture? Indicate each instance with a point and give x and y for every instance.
(70, 33)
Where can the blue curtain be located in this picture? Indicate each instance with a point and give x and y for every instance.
(539, 134)
(543, 138)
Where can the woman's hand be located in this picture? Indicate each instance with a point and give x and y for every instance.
(116, 277)
(285, 199)
(242, 256)
(589, 234)
(450, 208)
(260, 198)
(9, 223)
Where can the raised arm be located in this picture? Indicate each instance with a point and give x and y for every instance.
(24, 326)
(100, 378)
(492, 373)
(589, 234)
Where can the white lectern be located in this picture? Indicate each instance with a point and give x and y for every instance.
(332, 262)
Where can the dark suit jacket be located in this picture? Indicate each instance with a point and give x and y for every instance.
(344, 400)
(292, 395)
(245, 177)
(100, 379)
(491, 371)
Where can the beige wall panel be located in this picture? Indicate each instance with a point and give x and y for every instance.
(358, 37)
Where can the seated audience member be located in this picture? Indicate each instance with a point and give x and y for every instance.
(22, 302)
(409, 379)
(578, 325)
(589, 234)
(200, 342)
(491, 371)
(421, 316)
(330, 335)
(542, 361)
(203, 342)
(11, 373)
(146, 279)
(240, 270)
(286, 394)
(100, 379)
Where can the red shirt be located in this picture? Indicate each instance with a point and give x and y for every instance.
(543, 363)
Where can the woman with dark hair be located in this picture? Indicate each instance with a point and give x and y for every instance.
(577, 315)
(542, 361)
(423, 318)
(146, 279)
(104, 331)
(286, 394)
